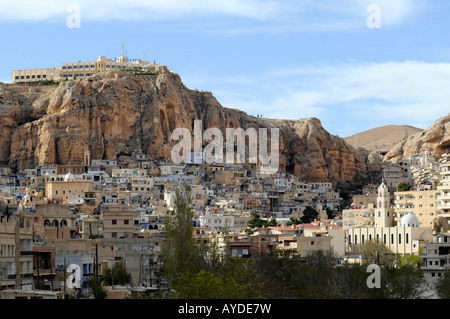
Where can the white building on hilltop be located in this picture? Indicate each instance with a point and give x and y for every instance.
(80, 69)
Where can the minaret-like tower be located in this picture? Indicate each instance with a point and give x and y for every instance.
(383, 214)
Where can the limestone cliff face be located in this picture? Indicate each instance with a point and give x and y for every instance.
(436, 138)
(109, 113)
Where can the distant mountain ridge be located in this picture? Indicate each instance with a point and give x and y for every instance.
(382, 139)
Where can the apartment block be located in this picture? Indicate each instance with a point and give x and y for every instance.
(16, 254)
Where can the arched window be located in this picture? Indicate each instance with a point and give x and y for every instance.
(399, 238)
(392, 238)
(407, 238)
(55, 223)
(47, 222)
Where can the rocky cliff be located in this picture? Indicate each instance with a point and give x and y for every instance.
(436, 138)
(120, 112)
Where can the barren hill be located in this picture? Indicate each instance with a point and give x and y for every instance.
(382, 139)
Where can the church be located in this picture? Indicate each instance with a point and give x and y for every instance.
(403, 238)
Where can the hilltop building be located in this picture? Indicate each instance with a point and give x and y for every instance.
(80, 69)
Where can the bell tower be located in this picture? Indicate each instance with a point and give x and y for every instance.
(383, 213)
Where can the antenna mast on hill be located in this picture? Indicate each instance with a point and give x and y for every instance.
(123, 49)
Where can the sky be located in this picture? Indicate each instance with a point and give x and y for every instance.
(353, 64)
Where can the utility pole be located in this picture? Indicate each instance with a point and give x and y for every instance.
(65, 277)
(96, 271)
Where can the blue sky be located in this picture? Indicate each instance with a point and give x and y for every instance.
(283, 59)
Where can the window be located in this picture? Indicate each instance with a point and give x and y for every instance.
(126, 222)
(312, 242)
(114, 234)
(114, 222)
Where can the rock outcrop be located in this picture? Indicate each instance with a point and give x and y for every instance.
(110, 113)
(436, 138)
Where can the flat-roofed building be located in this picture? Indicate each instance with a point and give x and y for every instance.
(444, 186)
(80, 69)
(36, 75)
(422, 203)
(120, 221)
(68, 190)
(16, 253)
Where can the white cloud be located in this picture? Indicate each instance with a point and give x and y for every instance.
(357, 96)
(273, 16)
(101, 10)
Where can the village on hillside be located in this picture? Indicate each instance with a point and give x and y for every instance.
(78, 221)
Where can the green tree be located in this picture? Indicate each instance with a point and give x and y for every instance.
(404, 282)
(402, 187)
(309, 215)
(377, 253)
(180, 251)
(96, 288)
(117, 275)
(293, 221)
(256, 221)
(272, 222)
(236, 279)
(412, 260)
(442, 286)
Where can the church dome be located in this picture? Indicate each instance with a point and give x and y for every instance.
(69, 176)
(409, 220)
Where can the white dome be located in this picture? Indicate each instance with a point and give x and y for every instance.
(68, 176)
(409, 220)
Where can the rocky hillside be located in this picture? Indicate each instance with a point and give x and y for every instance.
(382, 139)
(436, 138)
(110, 113)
